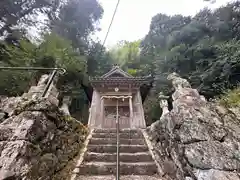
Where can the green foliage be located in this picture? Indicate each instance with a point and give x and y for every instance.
(62, 51)
(53, 52)
(152, 110)
(22, 14)
(77, 20)
(230, 98)
(14, 83)
(22, 54)
(99, 60)
(67, 45)
(126, 55)
(133, 72)
(65, 56)
(203, 49)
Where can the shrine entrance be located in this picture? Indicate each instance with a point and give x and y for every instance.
(118, 92)
(114, 105)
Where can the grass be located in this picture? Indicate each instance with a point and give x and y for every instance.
(231, 98)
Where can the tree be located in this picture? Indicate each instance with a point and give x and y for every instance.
(14, 83)
(190, 46)
(126, 54)
(65, 56)
(99, 60)
(77, 20)
(13, 13)
(66, 44)
(202, 49)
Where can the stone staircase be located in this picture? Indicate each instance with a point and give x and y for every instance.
(99, 160)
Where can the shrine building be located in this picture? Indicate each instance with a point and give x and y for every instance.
(118, 90)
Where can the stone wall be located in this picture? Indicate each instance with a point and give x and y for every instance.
(196, 140)
(37, 140)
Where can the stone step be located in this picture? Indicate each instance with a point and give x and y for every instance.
(124, 157)
(114, 131)
(104, 168)
(131, 177)
(113, 148)
(121, 135)
(98, 141)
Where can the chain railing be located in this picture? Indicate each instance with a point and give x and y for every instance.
(50, 80)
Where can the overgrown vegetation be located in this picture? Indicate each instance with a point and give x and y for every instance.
(64, 42)
(230, 98)
(204, 49)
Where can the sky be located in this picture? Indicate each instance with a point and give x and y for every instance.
(133, 17)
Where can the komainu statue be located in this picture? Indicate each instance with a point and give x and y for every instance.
(163, 103)
(66, 102)
(178, 82)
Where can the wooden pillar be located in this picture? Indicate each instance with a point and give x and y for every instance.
(90, 116)
(142, 123)
(92, 113)
(131, 111)
(102, 113)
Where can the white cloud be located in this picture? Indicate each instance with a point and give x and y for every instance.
(134, 16)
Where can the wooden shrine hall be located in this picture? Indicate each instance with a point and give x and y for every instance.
(118, 90)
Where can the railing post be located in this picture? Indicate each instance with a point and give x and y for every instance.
(50, 80)
(117, 127)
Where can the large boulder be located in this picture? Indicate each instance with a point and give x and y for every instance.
(37, 140)
(213, 174)
(199, 139)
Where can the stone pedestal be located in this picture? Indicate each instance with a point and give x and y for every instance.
(163, 103)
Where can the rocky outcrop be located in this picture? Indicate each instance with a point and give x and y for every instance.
(196, 140)
(36, 139)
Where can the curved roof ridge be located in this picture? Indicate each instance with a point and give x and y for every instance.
(117, 70)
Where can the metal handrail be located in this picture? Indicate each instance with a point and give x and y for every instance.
(117, 127)
(60, 70)
(50, 80)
